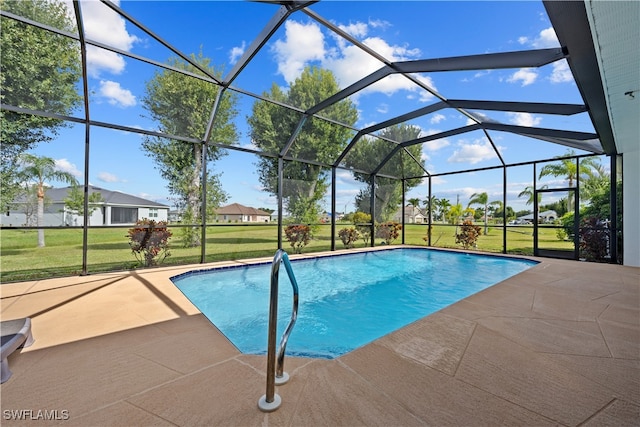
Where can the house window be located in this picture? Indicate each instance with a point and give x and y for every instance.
(153, 213)
(124, 215)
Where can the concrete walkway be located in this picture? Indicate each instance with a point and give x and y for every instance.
(559, 344)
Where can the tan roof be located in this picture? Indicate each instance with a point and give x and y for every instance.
(238, 209)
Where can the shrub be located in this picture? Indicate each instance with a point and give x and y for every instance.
(566, 221)
(348, 236)
(298, 236)
(469, 233)
(594, 239)
(149, 240)
(388, 231)
(561, 234)
(362, 222)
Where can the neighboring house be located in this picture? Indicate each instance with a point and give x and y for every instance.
(236, 212)
(412, 215)
(325, 217)
(546, 217)
(175, 216)
(116, 208)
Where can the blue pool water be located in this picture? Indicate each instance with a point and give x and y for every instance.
(345, 301)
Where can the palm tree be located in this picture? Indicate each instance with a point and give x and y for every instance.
(482, 199)
(597, 180)
(528, 192)
(41, 170)
(443, 208)
(430, 205)
(414, 202)
(568, 169)
(454, 215)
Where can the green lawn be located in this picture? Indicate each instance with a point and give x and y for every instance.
(108, 248)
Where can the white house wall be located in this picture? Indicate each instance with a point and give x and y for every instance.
(630, 208)
(54, 216)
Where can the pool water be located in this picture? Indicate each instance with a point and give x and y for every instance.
(345, 301)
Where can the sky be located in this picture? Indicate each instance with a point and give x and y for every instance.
(399, 31)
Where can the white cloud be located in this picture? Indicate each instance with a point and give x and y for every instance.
(116, 95)
(303, 43)
(475, 152)
(99, 60)
(524, 75)
(524, 119)
(433, 145)
(546, 39)
(64, 165)
(561, 72)
(436, 144)
(379, 23)
(104, 25)
(358, 29)
(383, 108)
(109, 177)
(351, 64)
(437, 118)
(236, 52)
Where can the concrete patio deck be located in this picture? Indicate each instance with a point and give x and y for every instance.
(558, 344)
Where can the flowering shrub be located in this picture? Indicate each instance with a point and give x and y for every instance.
(388, 231)
(469, 233)
(348, 236)
(298, 236)
(148, 240)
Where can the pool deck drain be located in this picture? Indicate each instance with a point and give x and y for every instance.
(558, 344)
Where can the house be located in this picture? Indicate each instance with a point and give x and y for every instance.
(116, 208)
(236, 212)
(412, 215)
(545, 217)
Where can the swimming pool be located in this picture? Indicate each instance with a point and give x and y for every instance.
(346, 301)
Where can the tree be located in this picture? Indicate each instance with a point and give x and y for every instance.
(528, 193)
(74, 202)
(443, 208)
(430, 206)
(181, 105)
(454, 214)
(483, 199)
(39, 71)
(568, 169)
(42, 170)
(414, 202)
(216, 196)
(595, 182)
(271, 126)
(369, 152)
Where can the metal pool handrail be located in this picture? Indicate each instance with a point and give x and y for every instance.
(271, 401)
